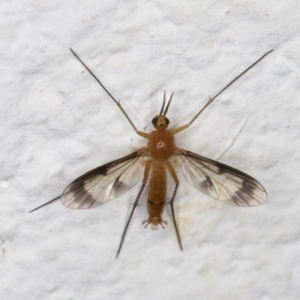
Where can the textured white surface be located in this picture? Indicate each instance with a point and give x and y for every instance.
(57, 123)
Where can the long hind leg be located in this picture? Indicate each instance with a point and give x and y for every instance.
(135, 204)
(175, 178)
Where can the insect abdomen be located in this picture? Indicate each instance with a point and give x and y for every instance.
(157, 194)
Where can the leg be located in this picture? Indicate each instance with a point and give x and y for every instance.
(176, 130)
(143, 134)
(175, 178)
(45, 204)
(146, 175)
(127, 224)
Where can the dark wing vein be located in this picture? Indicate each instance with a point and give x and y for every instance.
(104, 183)
(221, 181)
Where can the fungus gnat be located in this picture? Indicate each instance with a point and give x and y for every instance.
(113, 179)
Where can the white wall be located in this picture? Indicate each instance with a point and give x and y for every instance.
(57, 123)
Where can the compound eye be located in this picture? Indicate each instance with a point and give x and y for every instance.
(167, 121)
(154, 120)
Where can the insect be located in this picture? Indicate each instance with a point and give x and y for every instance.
(113, 179)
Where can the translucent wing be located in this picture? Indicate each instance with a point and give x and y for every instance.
(222, 182)
(103, 183)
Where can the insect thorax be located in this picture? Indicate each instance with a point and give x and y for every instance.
(161, 144)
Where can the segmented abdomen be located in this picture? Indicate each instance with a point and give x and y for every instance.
(157, 190)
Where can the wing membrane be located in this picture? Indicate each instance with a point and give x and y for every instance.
(104, 183)
(222, 182)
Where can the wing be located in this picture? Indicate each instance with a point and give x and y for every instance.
(104, 183)
(222, 182)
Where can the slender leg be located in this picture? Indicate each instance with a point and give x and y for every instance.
(44, 204)
(173, 216)
(176, 130)
(143, 134)
(135, 204)
(175, 178)
(129, 219)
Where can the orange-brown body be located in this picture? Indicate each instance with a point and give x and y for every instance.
(161, 147)
(157, 194)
